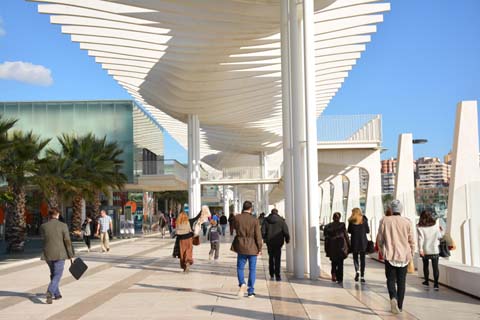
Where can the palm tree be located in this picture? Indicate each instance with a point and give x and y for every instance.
(5, 125)
(20, 164)
(96, 166)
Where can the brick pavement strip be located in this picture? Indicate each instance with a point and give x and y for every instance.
(32, 294)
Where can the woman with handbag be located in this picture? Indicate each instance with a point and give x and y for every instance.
(185, 233)
(337, 246)
(429, 235)
(358, 228)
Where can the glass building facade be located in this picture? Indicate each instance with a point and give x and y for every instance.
(49, 119)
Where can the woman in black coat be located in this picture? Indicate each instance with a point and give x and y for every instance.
(358, 228)
(336, 246)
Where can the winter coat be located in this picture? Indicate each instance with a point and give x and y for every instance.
(359, 232)
(336, 240)
(248, 239)
(275, 231)
(223, 220)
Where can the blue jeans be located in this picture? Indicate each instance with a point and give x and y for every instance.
(252, 268)
(224, 227)
(56, 271)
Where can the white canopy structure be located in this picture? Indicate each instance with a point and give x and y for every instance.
(235, 81)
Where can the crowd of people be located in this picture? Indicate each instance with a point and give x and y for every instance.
(394, 243)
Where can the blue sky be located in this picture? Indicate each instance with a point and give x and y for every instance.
(424, 59)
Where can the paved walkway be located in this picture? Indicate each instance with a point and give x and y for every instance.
(140, 280)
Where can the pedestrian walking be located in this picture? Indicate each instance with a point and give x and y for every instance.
(170, 218)
(429, 235)
(57, 247)
(87, 232)
(162, 224)
(231, 222)
(223, 223)
(337, 246)
(396, 243)
(358, 229)
(184, 234)
(104, 227)
(248, 245)
(214, 237)
(275, 233)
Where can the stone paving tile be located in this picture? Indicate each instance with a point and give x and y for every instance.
(140, 280)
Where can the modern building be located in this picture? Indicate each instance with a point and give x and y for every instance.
(432, 173)
(389, 170)
(122, 121)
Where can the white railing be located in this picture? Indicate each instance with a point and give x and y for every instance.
(350, 129)
(160, 167)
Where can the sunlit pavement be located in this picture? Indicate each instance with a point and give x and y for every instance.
(140, 280)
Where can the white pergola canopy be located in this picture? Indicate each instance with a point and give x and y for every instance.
(218, 59)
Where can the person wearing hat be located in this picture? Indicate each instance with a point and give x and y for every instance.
(396, 243)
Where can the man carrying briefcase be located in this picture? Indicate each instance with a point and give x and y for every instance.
(57, 247)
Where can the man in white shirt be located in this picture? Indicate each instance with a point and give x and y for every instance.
(104, 224)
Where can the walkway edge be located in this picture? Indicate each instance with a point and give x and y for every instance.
(97, 246)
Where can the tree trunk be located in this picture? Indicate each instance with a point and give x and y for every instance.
(53, 199)
(15, 233)
(77, 214)
(96, 206)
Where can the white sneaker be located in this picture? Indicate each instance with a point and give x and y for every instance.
(394, 306)
(242, 290)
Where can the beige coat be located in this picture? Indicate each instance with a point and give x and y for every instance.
(395, 239)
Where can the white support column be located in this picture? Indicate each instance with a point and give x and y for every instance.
(264, 187)
(353, 197)
(301, 257)
(311, 135)
(326, 207)
(225, 201)
(405, 180)
(287, 134)
(337, 200)
(194, 187)
(463, 221)
(374, 205)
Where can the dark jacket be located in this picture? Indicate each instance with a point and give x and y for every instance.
(336, 240)
(359, 232)
(248, 239)
(223, 219)
(56, 241)
(275, 231)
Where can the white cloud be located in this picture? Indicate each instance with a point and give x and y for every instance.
(26, 72)
(2, 28)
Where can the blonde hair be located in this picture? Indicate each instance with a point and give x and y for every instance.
(356, 217)
(182, 218)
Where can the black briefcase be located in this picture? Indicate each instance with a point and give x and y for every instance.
(78, 268)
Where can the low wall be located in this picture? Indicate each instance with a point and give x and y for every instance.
(456, 275)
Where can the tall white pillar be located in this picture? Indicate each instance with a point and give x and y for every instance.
(463, 221)
(405, 180)
(311, 127)
(374, 205)
(326, 208)
(226, 203)
(264, 187)
(287, 133)
(301, 258)
(353, 197)
(194, 187)
(337, 200)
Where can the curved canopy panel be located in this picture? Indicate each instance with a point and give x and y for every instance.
(218, 59)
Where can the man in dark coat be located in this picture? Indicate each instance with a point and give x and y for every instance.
(248, 245)
(275, 233)
(337, 246)
(57, 247)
